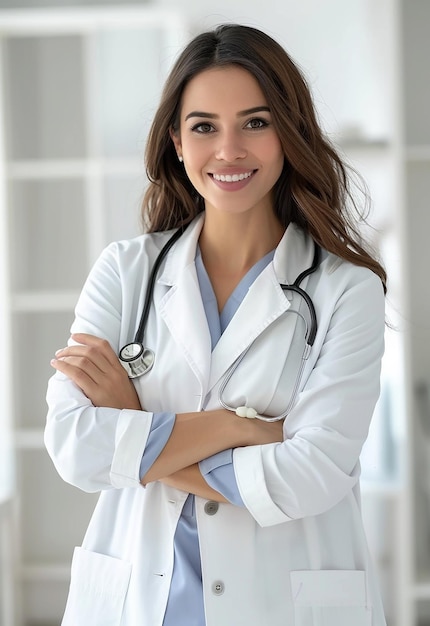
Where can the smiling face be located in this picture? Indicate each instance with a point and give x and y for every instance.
(231, 151)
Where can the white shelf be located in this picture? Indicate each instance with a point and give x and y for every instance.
(75, 111)
(353, 144)
(39, 301)
(29, 439)
(46, 572)
(71, 168)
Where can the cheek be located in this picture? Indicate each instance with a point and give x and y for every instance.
(271, 150)
(195, 159)
(195, 152)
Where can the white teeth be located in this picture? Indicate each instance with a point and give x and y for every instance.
(231, 178)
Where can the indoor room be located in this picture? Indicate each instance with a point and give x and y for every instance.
(80, 83)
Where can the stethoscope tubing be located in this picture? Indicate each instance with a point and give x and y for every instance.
(232, 369)
(310, 334)
(151, 283)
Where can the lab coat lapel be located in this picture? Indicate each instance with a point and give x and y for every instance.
(182, 307)
(264, 303)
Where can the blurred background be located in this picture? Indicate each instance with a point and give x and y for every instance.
(79, 83)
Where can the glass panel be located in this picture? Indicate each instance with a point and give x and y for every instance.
(45, 97)
(418, 224)
(129, 79)
(416, 49)
(47, 228)
(36, 336)
(122, 199)
(55, 515)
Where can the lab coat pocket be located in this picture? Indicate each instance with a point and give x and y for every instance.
(330, 598)
(98, 588)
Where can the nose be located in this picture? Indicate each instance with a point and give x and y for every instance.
(231, 146)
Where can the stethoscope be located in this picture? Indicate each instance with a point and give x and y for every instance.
(134, 357)
(138, 360)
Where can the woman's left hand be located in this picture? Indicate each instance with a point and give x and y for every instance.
(95, 368)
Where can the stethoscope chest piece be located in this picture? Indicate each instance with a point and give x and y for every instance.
(134, 357)
(136, 360)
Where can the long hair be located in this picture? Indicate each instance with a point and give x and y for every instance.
(314, 189)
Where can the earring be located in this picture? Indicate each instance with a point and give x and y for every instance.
(180, 158)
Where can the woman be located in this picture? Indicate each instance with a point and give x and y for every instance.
(207, 518)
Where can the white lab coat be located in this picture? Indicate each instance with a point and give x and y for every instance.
(296, 554)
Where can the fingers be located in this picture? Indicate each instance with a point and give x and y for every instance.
(94, 367)
(80, 363)
(94, 345)
(72, 369)
(97, 351)
(112, 389)
(90, 363)
(102, 345)
(87, 358)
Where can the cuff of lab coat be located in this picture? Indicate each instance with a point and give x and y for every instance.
(218, 472)
(251, 482)
(159, 434)
(130, 440)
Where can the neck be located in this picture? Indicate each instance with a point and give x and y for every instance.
(235, 243)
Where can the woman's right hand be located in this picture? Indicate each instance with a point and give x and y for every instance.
(95, 369)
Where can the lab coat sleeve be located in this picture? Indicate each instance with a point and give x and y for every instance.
(161, 429)
(218, 472)
(317, 464)
(95, 448)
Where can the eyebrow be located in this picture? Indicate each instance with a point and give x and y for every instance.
(213, 116)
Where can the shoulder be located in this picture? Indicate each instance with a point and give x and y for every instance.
(348, 293)
(128, 254)
(346, 275)
(147, 244)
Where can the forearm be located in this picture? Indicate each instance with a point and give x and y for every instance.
(196, 436)
(190, 480)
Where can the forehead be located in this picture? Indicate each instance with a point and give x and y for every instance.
(216, 89)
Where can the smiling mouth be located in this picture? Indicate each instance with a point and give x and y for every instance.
(232, 178)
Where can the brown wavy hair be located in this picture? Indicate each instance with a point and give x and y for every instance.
(314, 189)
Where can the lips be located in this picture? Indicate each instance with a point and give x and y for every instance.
(232, 181)
(232, 178)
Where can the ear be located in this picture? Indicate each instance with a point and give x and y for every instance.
(176, 138)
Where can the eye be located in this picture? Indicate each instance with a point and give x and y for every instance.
(256, 123)
(202, 128)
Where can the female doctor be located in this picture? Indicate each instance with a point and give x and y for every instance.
(206, 517)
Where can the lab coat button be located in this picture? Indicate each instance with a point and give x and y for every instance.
(218, 587)
(211, 507)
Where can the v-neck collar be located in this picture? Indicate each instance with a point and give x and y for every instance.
(218, 321)
(182, 308)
